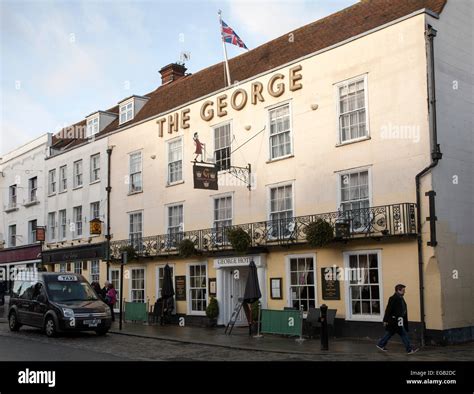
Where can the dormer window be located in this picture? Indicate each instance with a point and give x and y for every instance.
(126, 112)
(92, 126)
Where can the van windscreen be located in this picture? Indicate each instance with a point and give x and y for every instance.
(60, 291)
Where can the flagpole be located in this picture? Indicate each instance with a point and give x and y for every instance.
(225, 50)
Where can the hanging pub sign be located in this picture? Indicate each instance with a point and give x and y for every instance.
(41, 234)
(205, 177)
(95, 226)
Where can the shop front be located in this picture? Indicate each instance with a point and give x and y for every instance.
(87, 260)
(18, 258)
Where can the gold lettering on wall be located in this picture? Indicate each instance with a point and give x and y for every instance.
(160, 123)
(257, 88)
(173, 123)
(294, 78)
(221, 104)
(280, 86)
(207, 115)
(243, 100)
(185, 118)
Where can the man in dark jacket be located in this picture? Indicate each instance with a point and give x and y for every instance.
(395, 320)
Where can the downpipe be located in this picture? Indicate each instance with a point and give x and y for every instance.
(436, 155)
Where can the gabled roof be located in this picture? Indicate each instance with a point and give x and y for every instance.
(340, 26)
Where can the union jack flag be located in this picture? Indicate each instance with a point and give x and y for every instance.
(230, 36)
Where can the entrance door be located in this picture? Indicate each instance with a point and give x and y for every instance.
(115, 279)
(233, 290)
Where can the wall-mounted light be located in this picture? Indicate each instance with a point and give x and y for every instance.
(314, 107)
(248, 127)
(153, 157)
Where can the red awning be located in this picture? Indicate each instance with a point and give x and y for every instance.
(20, 253)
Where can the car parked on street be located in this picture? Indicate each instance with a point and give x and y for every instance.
(57, 302)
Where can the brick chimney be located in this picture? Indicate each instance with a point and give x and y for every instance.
(172, 72)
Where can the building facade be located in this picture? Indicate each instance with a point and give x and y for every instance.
(23, 205)
(343, 148)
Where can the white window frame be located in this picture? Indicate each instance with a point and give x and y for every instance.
(92, 126)
(130, 289)
(62, 224)
(188, 288)
(214, 128)
(77, 176)
(33, 189)
(11, 235)
(91, 271)
(62, 267)
(157, 282)
(361, 317)
(52, 182)
(181, 224)
(213, 209)
(130, 173)
(77, 264)
(31, 232)
(290, 113)
(129, 113)
(269, 196)
(76, 222)
(338, 113)
(52, 226)
(12, 196)
(94, 170)
(342, 173)
(288, 276)
(168, 143)
(62, 178)
(91, 207)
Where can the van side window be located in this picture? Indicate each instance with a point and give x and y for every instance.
(27, 289)
(16, 288)
(38, 289)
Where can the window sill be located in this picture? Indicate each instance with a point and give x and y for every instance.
(30, 203)
(62, 192)
(367, 318)
(94, 182)
(174, 183)
(132, 193)
(353, 141)
(52, 194)
(280, 158)
(11, 209)
(195, 313)
(77, 187)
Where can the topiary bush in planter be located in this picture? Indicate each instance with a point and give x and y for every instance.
(212, 312)
(186, 248)
(239, 239)
(319, 233)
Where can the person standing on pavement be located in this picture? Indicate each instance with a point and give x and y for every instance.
(105, 289)
(395, 320)
(111, 299)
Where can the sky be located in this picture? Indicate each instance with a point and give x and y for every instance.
(63, 60)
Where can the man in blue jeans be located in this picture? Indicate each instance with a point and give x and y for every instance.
(395, 320)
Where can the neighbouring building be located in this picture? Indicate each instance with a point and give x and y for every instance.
(22, 185)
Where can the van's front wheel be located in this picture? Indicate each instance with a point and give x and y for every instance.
(50, 327)
(13, 322)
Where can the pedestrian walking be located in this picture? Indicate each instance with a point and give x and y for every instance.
(395, 320)
(111, 299)
(97, 289)
(105, 289)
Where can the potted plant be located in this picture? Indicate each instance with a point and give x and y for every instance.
(131, 252)
(212, 311)
(239, 239)
(186, 248)
(319, 233)
(255, 310)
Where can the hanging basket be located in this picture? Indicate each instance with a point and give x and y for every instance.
(239, 239)
(319, 233)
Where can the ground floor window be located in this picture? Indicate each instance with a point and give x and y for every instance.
(364, 284)
(94, 271)
(63, 267)
(138, 285)
(302, 282)
(78, 267)
(197, 288)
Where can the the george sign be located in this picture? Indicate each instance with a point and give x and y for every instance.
(95, 226)
(237, 261)
(330, 286)
(180, 285)
(205, 177)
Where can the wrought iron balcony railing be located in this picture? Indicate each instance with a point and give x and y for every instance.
(380, 221)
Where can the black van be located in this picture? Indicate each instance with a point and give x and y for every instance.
(57, 302)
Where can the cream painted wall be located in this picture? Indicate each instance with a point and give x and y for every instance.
(396, 95)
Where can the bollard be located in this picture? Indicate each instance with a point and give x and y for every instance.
(324, 327)
(259, 320)
(301, 339)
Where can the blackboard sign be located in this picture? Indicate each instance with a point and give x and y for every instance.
(330, 287)
(180, 285)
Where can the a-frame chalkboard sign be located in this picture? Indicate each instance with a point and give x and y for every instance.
(234, 316)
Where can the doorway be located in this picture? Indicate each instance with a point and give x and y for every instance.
(235, 279)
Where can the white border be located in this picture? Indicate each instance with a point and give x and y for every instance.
(288, 276)
(188, 289)
(267, 131)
